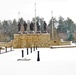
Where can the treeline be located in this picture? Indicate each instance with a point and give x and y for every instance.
(63, 26)
(7, 29)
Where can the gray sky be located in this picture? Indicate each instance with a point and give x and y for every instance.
(9, 9)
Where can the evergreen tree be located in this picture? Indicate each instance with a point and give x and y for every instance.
(61, 25)
(70, 38)
(40, 22)
(21, 21)
(71, 27)
(53, 22)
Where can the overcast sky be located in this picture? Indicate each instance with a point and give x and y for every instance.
(9, 9)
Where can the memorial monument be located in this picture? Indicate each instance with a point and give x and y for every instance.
(29, 35)
(34, 36)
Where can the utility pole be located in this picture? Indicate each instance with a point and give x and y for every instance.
(35, 20)
(18, 15)
(52, 31)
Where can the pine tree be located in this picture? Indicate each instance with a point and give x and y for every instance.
(71, 37)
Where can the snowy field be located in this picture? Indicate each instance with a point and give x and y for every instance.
(59, 61)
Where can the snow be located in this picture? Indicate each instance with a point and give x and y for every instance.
(59, 61)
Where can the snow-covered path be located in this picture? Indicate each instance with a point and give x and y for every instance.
(60, 61)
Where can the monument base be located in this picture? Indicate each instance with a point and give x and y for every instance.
(31, 40)
(25, 32)
(41, 40)
(38, 32)
(31, 32)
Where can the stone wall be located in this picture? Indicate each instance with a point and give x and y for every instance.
(30, 40)
(5, 44)
(65, 43)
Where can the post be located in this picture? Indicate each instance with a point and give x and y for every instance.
(31, 49)
(22, 53)
(27, 51)
(38, 56)
(5, 49)
(0, 50)
(34, 48)
(10, 48)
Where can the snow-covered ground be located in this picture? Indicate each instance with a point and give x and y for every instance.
(59, 61)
